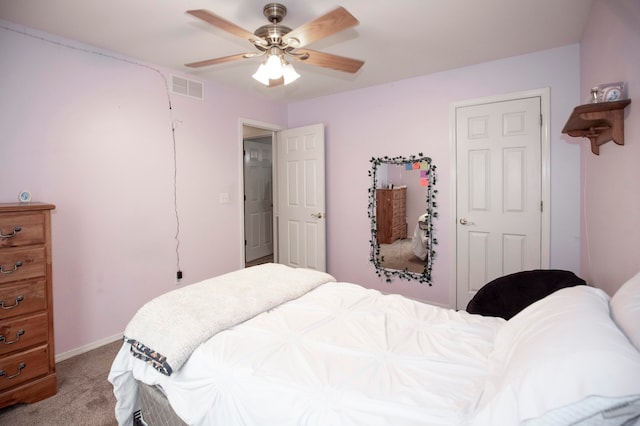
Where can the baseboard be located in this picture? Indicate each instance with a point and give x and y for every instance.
(87, 348)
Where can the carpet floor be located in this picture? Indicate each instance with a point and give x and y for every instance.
(399, 255)
(85, 396)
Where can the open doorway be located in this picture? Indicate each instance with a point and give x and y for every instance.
(295, 196)
(258, 195)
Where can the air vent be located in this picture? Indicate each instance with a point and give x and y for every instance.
(191, 88)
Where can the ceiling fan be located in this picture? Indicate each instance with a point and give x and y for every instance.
(278, 42)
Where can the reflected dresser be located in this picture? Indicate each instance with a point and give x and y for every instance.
(391, 214)
(27, 358)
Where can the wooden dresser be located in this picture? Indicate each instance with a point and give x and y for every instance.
(391, 214)
(27, 357)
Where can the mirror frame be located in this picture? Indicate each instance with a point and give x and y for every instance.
(431, 205)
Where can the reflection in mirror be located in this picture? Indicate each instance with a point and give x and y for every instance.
(401, 208)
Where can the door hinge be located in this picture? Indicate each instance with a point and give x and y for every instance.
(541, 206)
(540, 120)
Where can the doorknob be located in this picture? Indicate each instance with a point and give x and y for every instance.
(464, 221)
(317, 215)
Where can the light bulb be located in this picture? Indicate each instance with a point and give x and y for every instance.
(274, 67)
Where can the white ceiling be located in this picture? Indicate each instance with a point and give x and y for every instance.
(397, 39)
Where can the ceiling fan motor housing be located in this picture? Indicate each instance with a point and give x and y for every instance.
(273, 32)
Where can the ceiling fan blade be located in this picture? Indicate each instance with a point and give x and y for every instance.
(328, 60)
(324, 26)
(225, 25)
(220, 60)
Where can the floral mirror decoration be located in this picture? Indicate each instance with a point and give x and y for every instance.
(415, 177)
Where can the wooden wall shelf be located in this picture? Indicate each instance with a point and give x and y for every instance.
(600, 122)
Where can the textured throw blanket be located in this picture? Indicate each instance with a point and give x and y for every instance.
(166, 330)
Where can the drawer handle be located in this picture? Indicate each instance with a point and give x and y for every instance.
(16, 229)
(20, 367)
(15, 268)
(18, 334)
(15, 305)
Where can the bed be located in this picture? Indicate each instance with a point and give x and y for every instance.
(336, 353)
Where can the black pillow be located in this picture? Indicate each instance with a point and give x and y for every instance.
(506, 296)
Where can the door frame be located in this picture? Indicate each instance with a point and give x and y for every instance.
(273, 128)
(545, 158)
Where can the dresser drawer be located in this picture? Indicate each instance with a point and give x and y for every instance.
(399, 231)
(397, 221)
(22, 298)
(21, 229)
(22, 332)
(400, 194)
(397, 204)
(22, 264)
(19, 368)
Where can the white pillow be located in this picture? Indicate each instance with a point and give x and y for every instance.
(625, 309)
(558, 351)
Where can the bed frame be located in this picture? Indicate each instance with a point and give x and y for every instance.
(155, 409)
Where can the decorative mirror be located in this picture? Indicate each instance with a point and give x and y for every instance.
(401, 208)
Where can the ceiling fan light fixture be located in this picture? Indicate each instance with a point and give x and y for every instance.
(274, 66)
(289, 74)
(262, 75)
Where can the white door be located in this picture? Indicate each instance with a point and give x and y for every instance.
(258, 215)
(301, 197)
(499, 192)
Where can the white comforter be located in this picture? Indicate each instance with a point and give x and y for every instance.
(171, 326)
(339, 355)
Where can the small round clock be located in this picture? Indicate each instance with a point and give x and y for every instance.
(24, 197)
(612, 94)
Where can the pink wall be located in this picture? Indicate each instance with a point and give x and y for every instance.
(610, 247)
(411, 116)
(91, 134)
